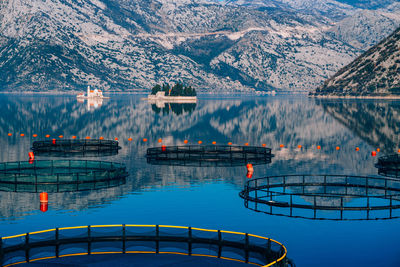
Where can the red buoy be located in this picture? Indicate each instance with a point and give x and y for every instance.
(163, 148)
(44, 197)
(318, 147)
(373, 153)
(31, 155)
(54, 141)
(249, 175)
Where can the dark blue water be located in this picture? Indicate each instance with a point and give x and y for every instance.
(207, 197)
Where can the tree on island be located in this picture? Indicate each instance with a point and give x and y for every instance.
(177, 90)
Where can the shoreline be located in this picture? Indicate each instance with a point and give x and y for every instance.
(355, 97)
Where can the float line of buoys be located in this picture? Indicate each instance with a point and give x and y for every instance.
(318, 147)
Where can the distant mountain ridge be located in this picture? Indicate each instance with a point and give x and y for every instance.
(130, 45)
(375, 73)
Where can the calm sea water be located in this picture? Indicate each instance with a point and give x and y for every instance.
(207, 197)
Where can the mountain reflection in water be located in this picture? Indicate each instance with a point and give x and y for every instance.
(290, 121)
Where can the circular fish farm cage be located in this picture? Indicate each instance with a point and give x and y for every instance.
(208, 156)
(75, 147)
(389, 166)
(324, 197)
(59, 244)
(60, 175)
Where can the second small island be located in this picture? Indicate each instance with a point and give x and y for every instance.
(176, 93)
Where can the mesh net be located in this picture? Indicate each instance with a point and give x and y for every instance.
(389, 165)
(60, 175)
(324, 197)
(76, 147)
(204, 156)
(86, 240)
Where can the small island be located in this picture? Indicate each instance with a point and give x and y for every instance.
(177, 93)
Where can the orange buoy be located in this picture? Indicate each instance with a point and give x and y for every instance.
(378, 150)
(73, 137)
(249, 175)
(264, 145)
(163, 148)
(54, 141)
(249, 167)
(31, 155)
(299, 146)
(230, 143)
(200, 142)
(246, 144)
(185, 141)
(87, 137)
(60, 136)
(101, 138)
(47, 135)
(160, 140)
(9, 134)
(373, 153)
(357, 149)
(129, 139)
(398, 151)
(44, 197)
(144, 139)
(318, 147)
(22, 135)
(44, 206)
(35, 135)
(337, 148)
(116, 138)
(214, 143)
(281, 146)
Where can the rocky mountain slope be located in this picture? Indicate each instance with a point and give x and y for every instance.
(366, 28)
(375, 73)
(130, 45)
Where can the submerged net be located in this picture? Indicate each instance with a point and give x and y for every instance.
(60, 175)
(76, 147)
(331, 197)
(205, 156)
(389, 165)
(103, 239)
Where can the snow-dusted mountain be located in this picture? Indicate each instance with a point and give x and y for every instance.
(375, 73)
(366, 28)
(130, 45)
